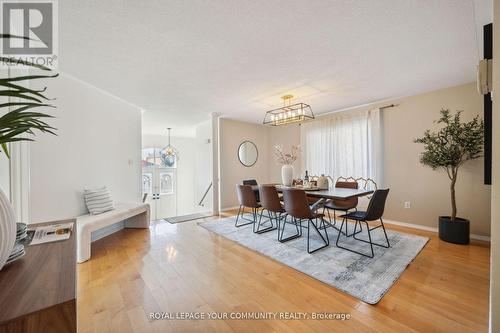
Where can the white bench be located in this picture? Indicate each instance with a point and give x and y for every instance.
(134, 216)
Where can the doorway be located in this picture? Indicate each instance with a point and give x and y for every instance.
(159, 190)
(179, 189)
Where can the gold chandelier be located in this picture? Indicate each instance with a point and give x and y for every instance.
(288, 113)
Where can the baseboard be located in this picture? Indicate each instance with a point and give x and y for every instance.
(229, 208)
(432, 229)
(404, 224)
(106, 231)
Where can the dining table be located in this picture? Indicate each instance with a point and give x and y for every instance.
(334, 193)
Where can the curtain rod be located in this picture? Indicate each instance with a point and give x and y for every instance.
(361, 106)
(388, 106)
(352, 108)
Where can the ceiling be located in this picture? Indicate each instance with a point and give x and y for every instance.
(183, 60)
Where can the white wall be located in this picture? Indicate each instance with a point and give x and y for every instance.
(287, 136)
(495, 188)
(203, 165)
(185, 168)
(98, 143)
(231, 134)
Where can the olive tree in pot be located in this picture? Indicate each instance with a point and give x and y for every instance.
(449, 148)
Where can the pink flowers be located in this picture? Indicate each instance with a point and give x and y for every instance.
(284, 158)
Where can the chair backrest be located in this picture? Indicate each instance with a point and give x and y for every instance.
(376, 206)
(351, 202)
(246, 196)
(346, 185)
(269, 198)
(249, 182)
(296, 203)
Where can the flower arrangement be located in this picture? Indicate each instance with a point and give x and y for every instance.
(286, 158)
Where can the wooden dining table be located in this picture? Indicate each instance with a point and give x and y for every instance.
(332, 193)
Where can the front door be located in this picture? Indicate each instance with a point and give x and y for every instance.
(159, 185)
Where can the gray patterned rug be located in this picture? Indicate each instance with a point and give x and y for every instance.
(364, 278)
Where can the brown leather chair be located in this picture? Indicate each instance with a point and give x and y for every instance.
(253, 183)
(342, 205)
(246, 198)
(297, 206)
(270, 201)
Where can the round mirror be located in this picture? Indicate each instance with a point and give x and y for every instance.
(247, 153)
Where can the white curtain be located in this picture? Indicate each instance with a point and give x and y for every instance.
(344, 144)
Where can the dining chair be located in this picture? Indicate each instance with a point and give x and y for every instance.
(297, 206)
(246, 199)
(374, 212)
(270, 201)
(343, 205)
(253, 183)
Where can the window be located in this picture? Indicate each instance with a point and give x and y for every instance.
(151, 158)
(155, 157)
(344, 144)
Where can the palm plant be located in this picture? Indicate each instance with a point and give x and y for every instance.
(20, 122)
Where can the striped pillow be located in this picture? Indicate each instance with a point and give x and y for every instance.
(98, 200)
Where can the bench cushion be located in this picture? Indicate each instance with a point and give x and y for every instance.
(86, 224)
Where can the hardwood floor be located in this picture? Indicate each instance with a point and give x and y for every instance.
(185, 268)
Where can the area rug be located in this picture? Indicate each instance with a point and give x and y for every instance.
(185, 218)
(362, 277)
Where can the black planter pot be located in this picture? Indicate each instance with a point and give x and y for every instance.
(454, 232)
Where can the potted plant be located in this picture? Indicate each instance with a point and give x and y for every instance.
(448, 149)
(18, 123)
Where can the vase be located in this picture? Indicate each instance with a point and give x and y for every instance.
(287, 174)
(7, 228)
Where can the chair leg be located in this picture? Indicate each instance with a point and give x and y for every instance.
(315, 227)
(329, 223)
(280, 217)
(355, 232)
(326, 233)
(297, 235)
(241, 212)
(369, 238)
(261, 231)
(385, 233)
(371, 229)
(237, 217)
(354, 251)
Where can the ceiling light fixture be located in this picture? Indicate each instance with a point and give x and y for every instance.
(169, 154)
(288, 113)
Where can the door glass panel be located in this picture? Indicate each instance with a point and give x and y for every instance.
(166, 183)
(147, 182)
